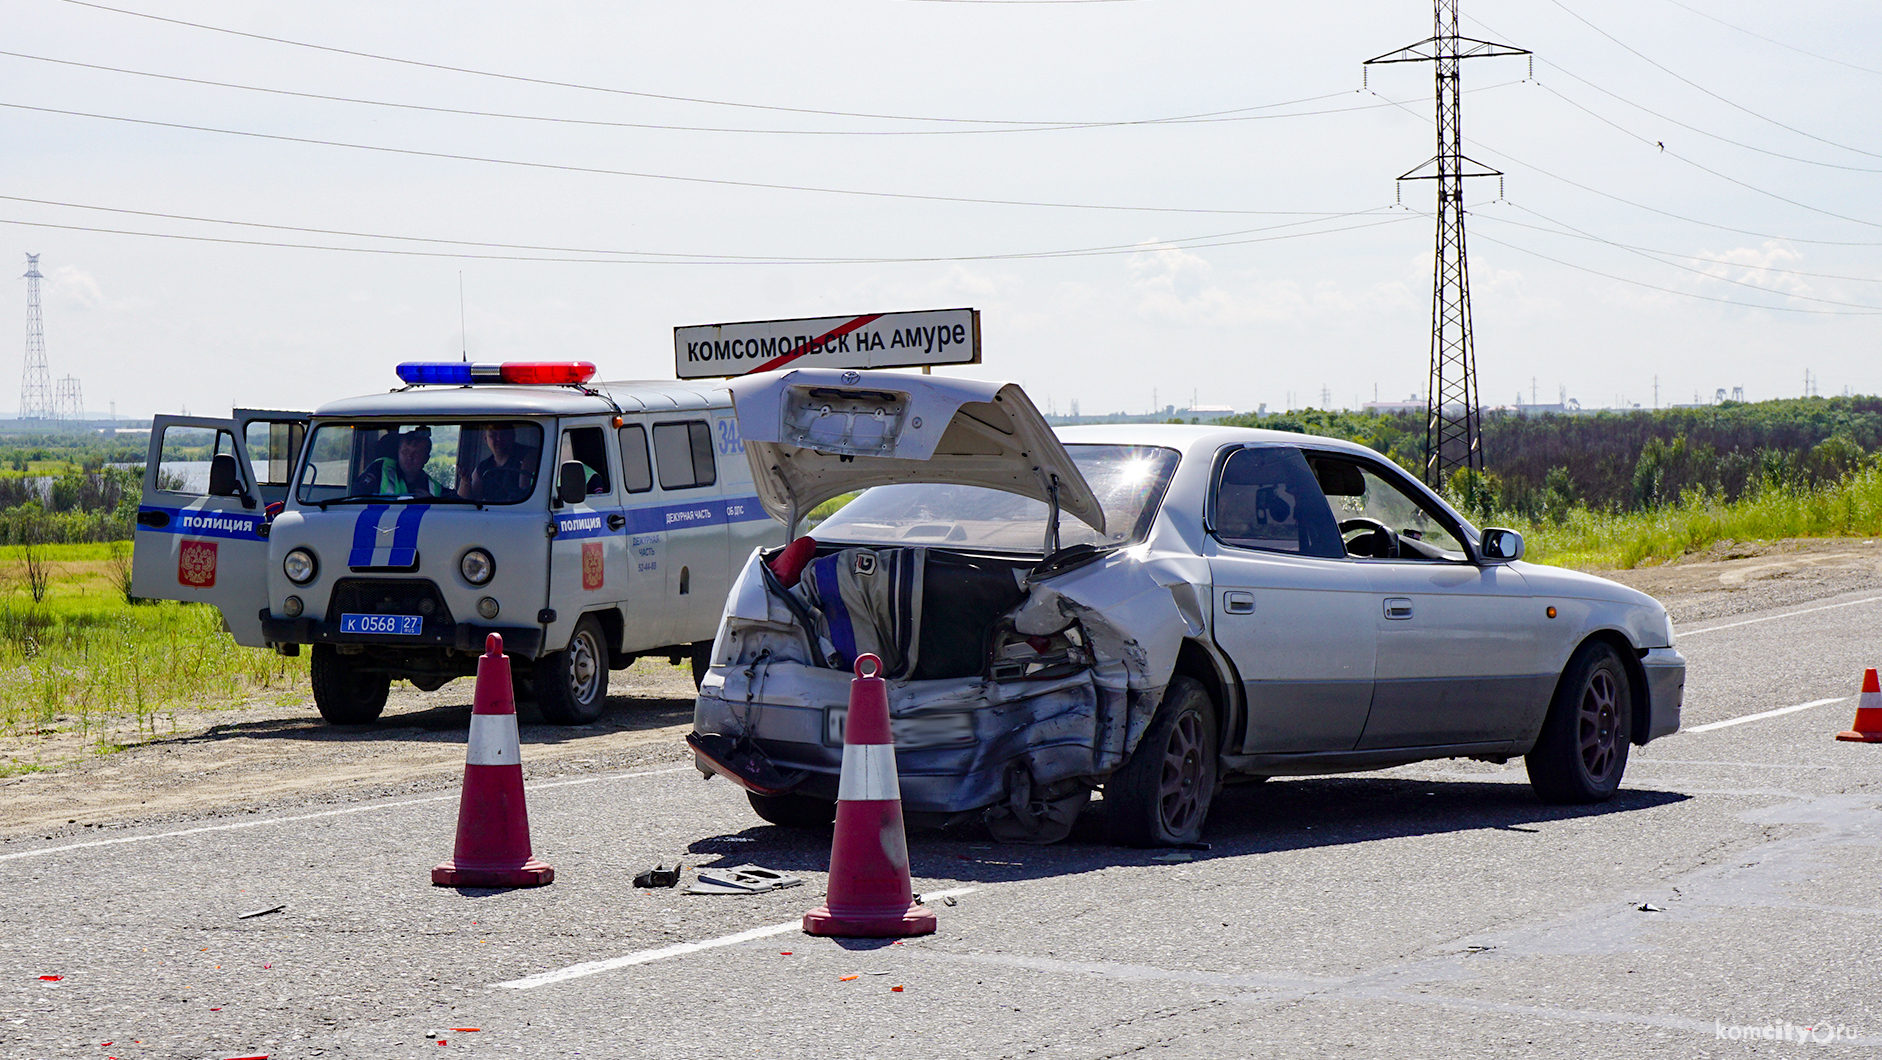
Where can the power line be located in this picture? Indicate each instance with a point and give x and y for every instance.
(1706, 169)
(1222, 116)
(599, 171)
(1649, 255)
(1569, 230)
(1134, 249)
(1654, 209)
(1181, 243)
(1771, 40)
(1693, 84)
(567, 84)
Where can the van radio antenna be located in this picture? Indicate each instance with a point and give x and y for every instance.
(463, 337)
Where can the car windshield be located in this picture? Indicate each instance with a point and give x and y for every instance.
(1128, 481)
(484, 463)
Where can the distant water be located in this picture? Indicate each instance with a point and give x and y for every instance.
(194, 473)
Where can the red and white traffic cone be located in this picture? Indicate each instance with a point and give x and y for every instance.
(870, 895)
(492, 822)
(1867, 728)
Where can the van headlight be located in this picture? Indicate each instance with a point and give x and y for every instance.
(300, 566)
(477, 567)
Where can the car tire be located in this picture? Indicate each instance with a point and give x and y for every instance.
(702, 661)
(344, 693)
(572, 684)
(791, 810)
(1162, 795)
(1582, 750)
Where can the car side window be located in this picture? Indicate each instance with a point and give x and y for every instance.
(1365, 501)
(683, 452)
(1266, 498)
(185, 456)
(636, 470)
(586, 445)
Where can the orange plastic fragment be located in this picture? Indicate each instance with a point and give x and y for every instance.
(52, 978)
(895, 990)
(467, 1030)
(847, 978)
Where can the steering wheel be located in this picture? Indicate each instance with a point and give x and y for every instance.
(504, 484)
(1380, 541)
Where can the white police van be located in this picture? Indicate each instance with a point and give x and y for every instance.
(588, 523)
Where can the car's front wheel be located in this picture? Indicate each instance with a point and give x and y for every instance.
(792, 810)
(572, 684)
(1162, 795)
(1582, 750)
(344, 693)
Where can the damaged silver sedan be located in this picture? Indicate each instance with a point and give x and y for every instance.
(1144, 610)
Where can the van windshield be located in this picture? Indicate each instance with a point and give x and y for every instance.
(496, 462)
(1128, 481)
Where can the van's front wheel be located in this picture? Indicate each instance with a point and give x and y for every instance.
(571, 684)
(344, 693)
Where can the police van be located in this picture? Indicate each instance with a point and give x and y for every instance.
(588, 523)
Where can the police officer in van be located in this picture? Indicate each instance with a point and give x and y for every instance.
(402, 475)
(507, 474)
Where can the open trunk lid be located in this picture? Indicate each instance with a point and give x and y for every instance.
(813, 434)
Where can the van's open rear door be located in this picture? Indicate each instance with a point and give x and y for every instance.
(202, 531)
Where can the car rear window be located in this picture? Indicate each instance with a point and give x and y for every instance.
(1128, 480)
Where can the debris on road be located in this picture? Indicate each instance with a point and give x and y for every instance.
(741, 879)
(262, 912)
(1649, 907)
(660, 876)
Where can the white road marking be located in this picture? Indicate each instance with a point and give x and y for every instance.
(576, 971)
(1773, 618)
(1762, 715)
(324, 813)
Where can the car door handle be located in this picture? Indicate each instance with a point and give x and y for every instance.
(1238, 603)
(1397, 607)
(154, 520)
(616, 521)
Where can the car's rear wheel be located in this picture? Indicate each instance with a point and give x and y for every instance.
(1582, 750)
(792, 810)
(1162, 795)
(572, 684)
(344, 693)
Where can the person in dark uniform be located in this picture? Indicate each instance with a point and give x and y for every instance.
(507, 474)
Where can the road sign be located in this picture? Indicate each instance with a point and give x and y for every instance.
(873, 340)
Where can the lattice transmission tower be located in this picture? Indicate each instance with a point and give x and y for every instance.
(36, 381)
(1453, 419)
(70, 404)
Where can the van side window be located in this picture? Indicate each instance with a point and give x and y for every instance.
(684, 453)
(636, 470)
(588, 445)
(272, 447)
(185, 456)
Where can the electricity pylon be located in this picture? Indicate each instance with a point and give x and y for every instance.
(1452, 419)
(36, 380)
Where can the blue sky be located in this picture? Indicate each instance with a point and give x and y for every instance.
(1687, 197)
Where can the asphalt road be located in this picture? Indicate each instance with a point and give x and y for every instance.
(1436, 910)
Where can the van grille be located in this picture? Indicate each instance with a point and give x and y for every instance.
(389, 596)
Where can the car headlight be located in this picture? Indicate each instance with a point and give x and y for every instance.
(477, 567)
(300, 566)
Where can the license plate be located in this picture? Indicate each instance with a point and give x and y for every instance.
(395, 625)
(927, 730)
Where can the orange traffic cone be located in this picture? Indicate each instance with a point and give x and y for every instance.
(1867, 728)
(492, 822)
(870, 896)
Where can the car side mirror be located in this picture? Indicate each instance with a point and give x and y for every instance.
(1499, 543)
(571, 485)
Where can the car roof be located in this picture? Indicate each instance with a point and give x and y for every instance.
(1193, 438)
(632, 396)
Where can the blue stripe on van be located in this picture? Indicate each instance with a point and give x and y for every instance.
(195, 522)
(405, 536)
(658, 518)
(366, 535)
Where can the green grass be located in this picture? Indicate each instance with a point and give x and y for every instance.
(1849, 508)
(84, 658)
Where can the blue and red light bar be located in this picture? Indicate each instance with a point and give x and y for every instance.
(463, 373)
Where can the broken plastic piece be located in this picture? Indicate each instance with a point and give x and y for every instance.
(950, 900)
(895, 990)
(743, 764)
(467, 1030)
(262, 912)
(659, 876)
(1649, 907)
(52, 978)
(847, 978)
(741, 879)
